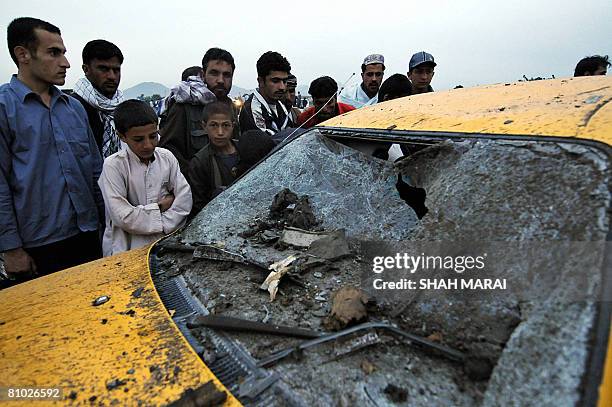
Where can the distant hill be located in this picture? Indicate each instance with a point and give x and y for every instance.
(238, 91)
(146, 89)
(152, 88)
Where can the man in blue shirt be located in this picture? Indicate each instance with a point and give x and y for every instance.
(49, 161)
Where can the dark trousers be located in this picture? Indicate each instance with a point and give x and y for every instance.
(81, 248)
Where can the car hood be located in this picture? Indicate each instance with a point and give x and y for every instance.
(124, 350)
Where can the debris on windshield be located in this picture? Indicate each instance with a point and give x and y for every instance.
(478, 368)
(259, 225)
(396, 394)
(415, 340)
(211, 252)
(367, 366)
(266, 317)
(268, 236)
(282, 201)
(300, 237)
(279, 269)
(349, 307)
(302, 216)
(289, 222)
(331, 247)
(354, 344)
(243, 325)
(311, 263)
(464, 184)
(292, 210)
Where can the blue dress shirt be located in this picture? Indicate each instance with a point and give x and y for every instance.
(49, 168)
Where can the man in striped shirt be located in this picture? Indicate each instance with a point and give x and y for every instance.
(264, 109)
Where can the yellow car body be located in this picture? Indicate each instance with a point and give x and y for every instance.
(574, 107)
(52, 336)
(128, 351)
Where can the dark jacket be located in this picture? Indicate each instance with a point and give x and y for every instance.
(97, 127)
(208, 176)
(184, 133)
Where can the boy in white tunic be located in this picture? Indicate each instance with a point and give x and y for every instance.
(145, 194)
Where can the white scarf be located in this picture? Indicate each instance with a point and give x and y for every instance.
(192, 91)
(105, 107)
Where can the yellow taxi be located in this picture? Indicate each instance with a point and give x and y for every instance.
(185, 320)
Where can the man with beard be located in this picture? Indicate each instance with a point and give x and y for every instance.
(366, 92)
(50, 203)
(323, 91)
(421, 72)
(264, 109)
(184, 133)
(98, 92)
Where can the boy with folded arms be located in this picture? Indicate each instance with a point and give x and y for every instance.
(145, 194)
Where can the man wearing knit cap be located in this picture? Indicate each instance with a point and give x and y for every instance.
(421, 72)
(366, 92)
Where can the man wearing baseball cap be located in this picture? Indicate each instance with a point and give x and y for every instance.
(366, 92)
(421, 72)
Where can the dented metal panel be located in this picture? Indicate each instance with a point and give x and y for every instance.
(124, 351)
(571, 107)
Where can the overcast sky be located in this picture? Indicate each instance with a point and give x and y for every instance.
(473, 41)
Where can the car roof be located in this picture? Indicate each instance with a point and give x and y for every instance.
(570, 107)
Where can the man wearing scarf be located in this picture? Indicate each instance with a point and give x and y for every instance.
(183, 132)
(98, 92)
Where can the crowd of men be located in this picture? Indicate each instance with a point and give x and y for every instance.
(83, 176)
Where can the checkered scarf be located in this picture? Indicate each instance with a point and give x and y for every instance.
(105, 107)
(192, 91)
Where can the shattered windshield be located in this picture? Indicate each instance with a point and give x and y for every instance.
(284, 246)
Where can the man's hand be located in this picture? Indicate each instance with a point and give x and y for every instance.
(166, 202)
(18, 261)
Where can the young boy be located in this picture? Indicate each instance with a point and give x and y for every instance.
(223, 160)
(145, 194)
